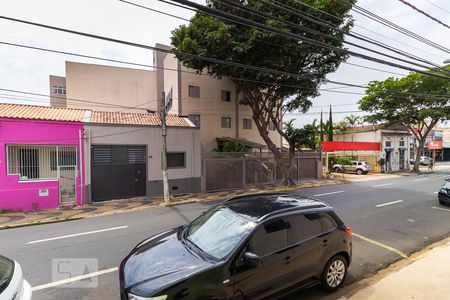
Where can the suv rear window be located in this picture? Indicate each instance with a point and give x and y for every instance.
(327, 223)
(304, 227)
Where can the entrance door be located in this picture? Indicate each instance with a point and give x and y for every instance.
(118, 172)
(67, 185)
(402, 159)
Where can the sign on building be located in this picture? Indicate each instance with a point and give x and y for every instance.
(435, 145)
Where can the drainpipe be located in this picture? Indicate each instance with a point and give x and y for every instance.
(81, 165)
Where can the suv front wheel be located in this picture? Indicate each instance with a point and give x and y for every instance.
(334, 273)
(359, 172)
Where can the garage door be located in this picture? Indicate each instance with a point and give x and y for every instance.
(118, 172)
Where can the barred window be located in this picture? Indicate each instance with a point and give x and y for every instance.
(39, 162)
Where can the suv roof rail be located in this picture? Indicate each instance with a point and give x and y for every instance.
(240, 197)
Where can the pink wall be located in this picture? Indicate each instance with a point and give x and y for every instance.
(16, 195)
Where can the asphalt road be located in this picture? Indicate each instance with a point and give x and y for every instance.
(391, 218)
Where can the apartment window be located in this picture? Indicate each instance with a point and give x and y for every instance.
(176, 160)
(194, 91)
(39, 162)
(388, 144)
(61, 90)
(402, 143)
(226, 96)
(226, 122)
(195, 119)
(271, 126)
(247, 123)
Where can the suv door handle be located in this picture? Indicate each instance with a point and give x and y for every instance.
(324, 243)
(287, 260)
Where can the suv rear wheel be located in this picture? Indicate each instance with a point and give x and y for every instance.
(334, 273)
(337, 170)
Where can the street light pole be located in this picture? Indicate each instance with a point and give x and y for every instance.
(164, 150)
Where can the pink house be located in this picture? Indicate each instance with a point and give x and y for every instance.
(41, 155)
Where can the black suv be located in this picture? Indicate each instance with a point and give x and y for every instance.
(248, 247)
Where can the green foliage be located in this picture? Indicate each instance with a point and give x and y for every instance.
(393, 101)
(344, 160)
(415, 101)
(232, 146)
(305, 137)
(268, 95)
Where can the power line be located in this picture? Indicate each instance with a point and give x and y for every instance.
(364, 28)
(250, 23)
(366, 13)
(263, 41)
(424, 13)
(331, 26)
(437, 6)
(171, 51)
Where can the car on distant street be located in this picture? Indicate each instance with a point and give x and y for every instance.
(424, 160)
(358, 166)
(12, 284)
(444, 192)
(248, 247)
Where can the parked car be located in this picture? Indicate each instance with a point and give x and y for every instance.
(248, 247)
(358, 166)
(444, 192)
(12, 284)
(423, 160)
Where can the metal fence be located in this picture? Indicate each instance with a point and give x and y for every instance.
(222, 171)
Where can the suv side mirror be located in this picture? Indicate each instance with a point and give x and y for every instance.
(252, 259)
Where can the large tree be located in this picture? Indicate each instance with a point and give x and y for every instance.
(268, 94)
(417, 101)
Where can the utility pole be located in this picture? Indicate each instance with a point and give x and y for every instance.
(164, 150)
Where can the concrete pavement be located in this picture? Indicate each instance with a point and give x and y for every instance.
(19, 219)
(386, 229)
(427, 277)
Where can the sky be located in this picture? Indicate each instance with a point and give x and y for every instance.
(29, 70)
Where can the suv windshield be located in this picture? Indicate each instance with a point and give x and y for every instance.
(6, 272)
(218, 231)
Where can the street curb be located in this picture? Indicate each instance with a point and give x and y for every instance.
(349, 290)
(5, 227)
(162, 205)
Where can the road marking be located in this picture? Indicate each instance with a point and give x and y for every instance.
(73, 279)
(402, 254)
(422, 179)
(411, 220)
(331, 193)
(436, 192)
(380, 185)
(77, 234)
(440, 208)
(389, 203)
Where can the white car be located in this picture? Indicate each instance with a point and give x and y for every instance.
(12, 284)
(358, 166)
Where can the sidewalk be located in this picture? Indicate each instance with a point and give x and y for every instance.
(426, 277)
(19, 219)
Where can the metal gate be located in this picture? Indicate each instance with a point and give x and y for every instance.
(118, 172)
(67, 185)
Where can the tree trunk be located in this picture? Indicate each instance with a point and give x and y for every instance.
(262, 129)
(419, 154)
(291, 163)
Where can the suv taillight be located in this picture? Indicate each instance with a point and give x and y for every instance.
(348, 230)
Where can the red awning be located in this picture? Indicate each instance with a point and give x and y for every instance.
(341, 146)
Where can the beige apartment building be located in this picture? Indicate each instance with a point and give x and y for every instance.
(211, 104)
